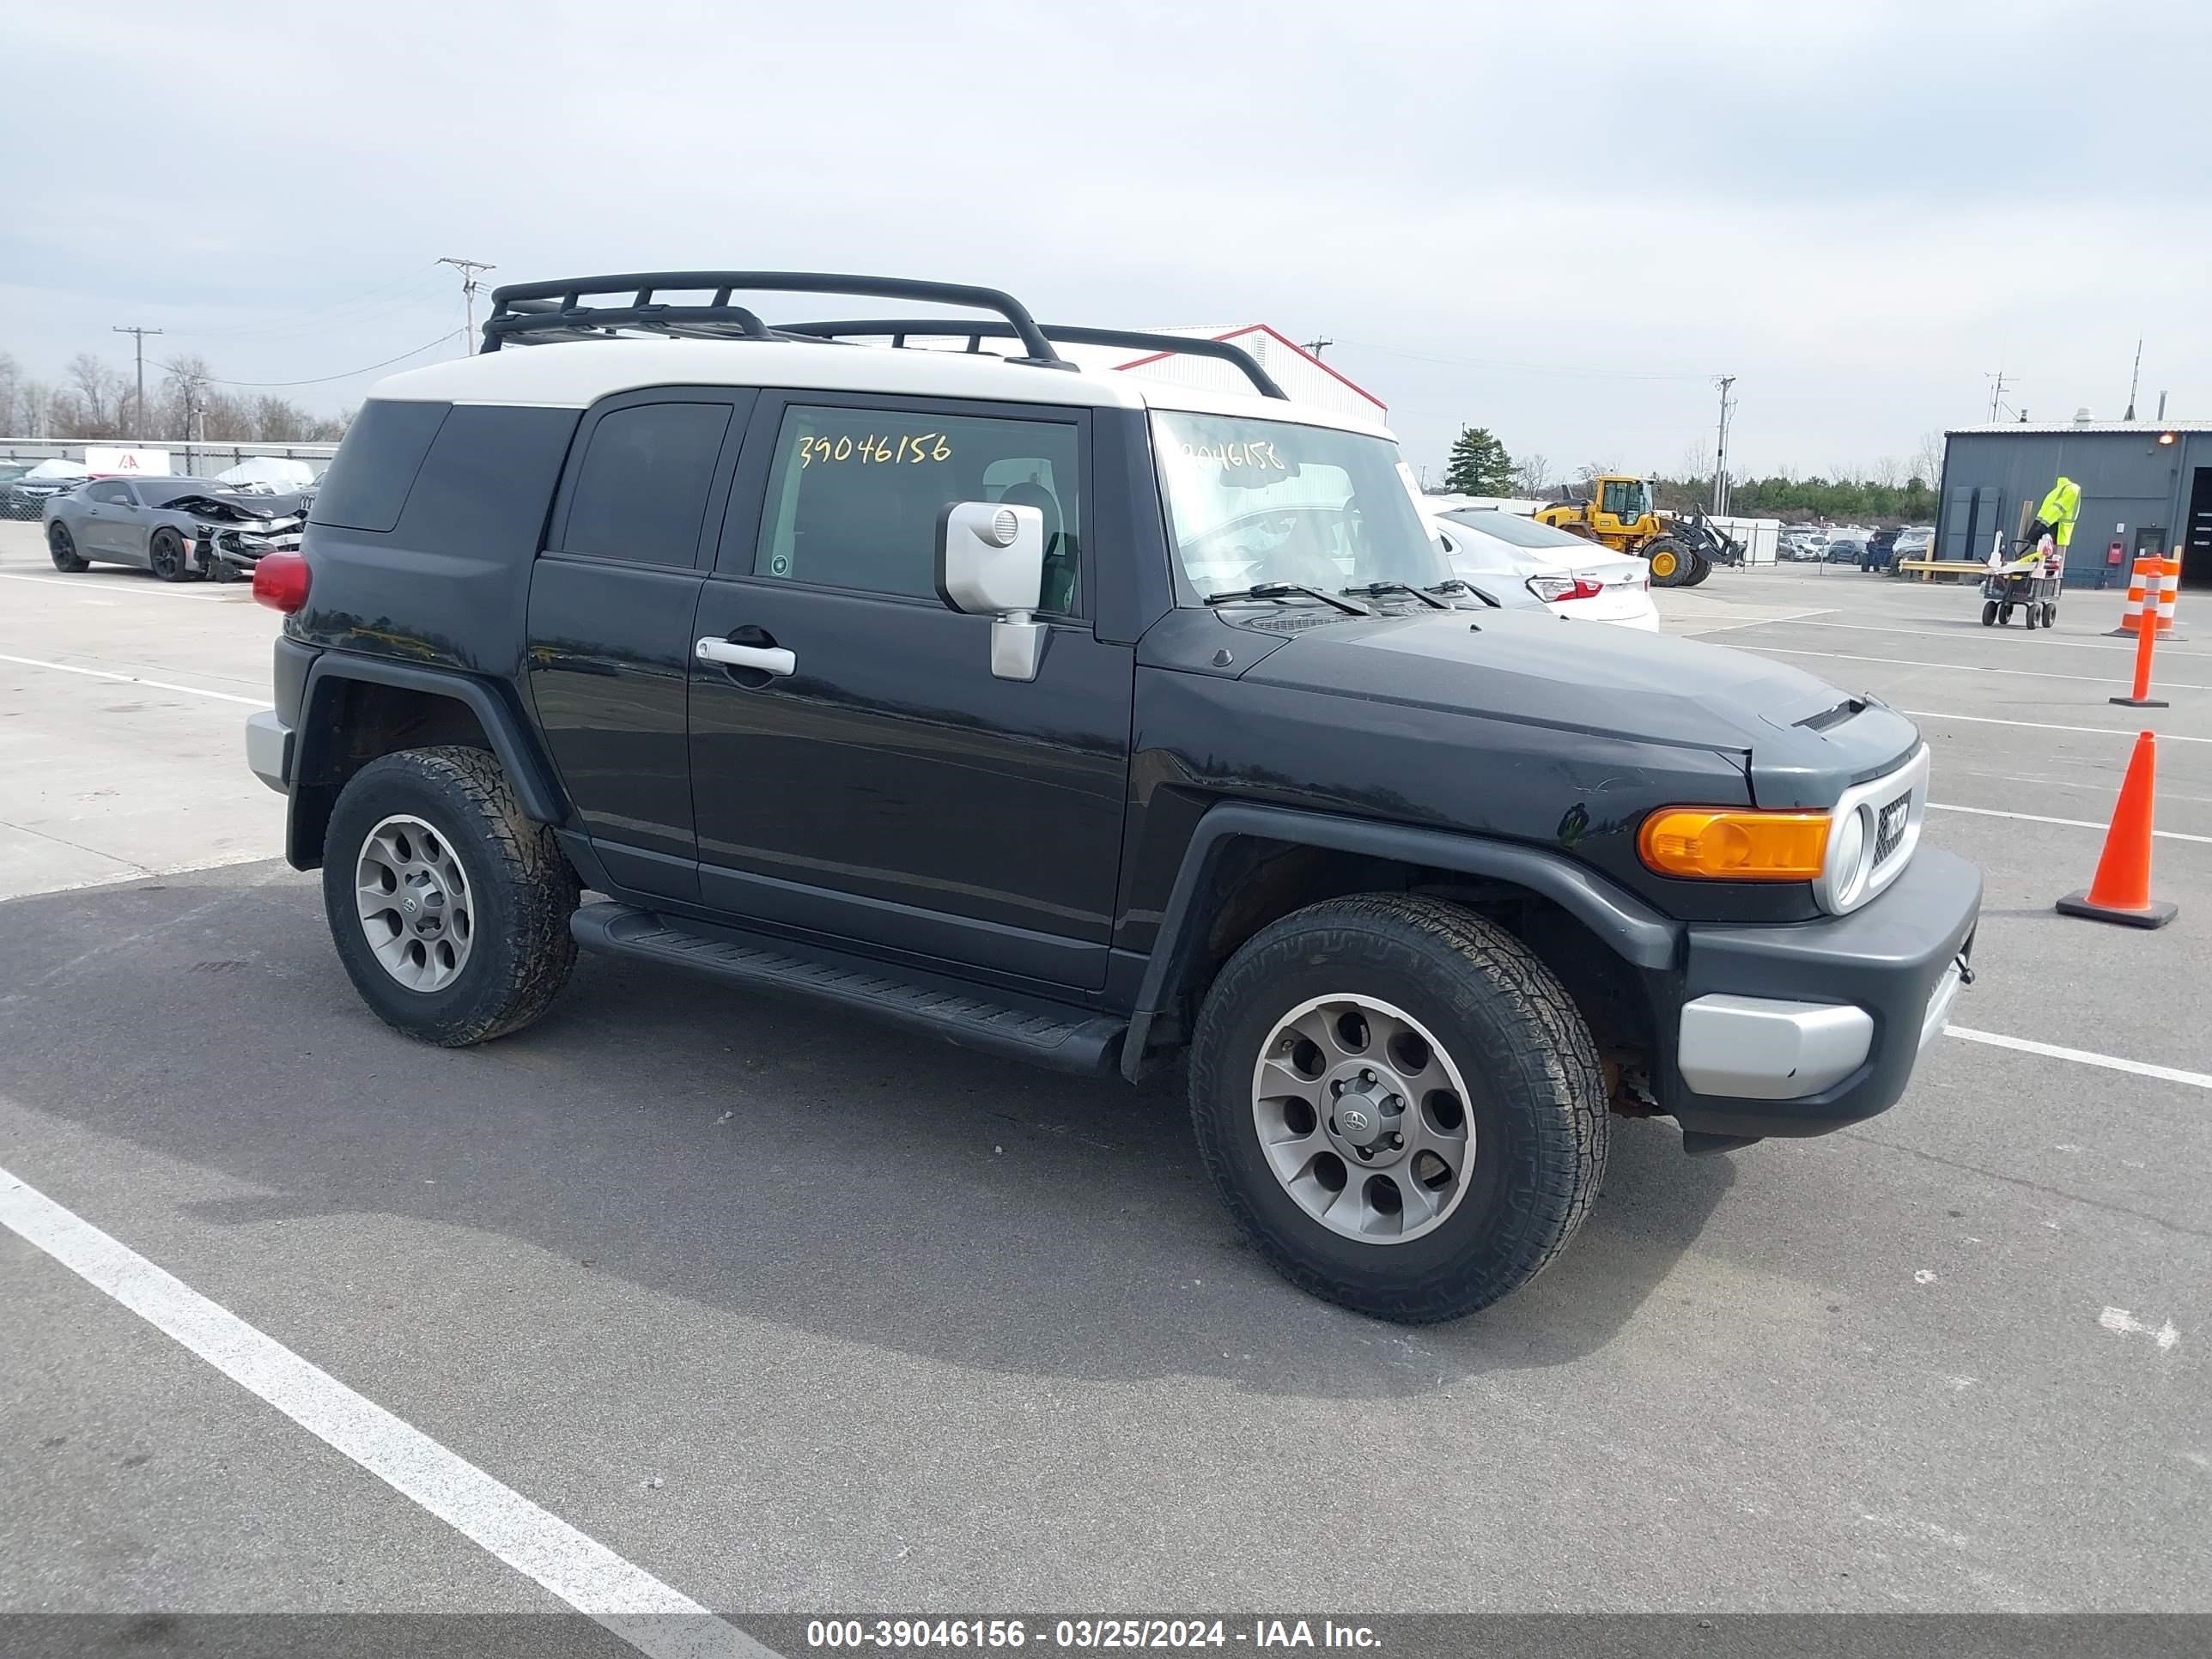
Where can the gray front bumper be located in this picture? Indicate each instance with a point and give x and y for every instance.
(1800, 1028)
(268, 750)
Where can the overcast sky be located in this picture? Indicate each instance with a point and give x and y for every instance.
(1558, 221)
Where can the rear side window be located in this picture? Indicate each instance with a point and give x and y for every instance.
(853, 495)
(641, 491)
(368, 483)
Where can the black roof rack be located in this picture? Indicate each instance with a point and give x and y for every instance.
(520, 311)
(976, 333)
(527, 313)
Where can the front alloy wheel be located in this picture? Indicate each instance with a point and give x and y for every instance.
(1363, 1118)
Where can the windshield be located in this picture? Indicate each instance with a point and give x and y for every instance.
(1511, 527)
(1254, 502)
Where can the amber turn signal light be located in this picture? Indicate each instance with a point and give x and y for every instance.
(1723, 845)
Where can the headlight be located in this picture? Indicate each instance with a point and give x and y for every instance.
(1851, 856)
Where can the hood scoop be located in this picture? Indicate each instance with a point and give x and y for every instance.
(1823, 719)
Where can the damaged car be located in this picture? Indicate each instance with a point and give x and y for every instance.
(180, 529)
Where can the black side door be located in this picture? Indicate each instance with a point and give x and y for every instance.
(633, 526)
(879, 785)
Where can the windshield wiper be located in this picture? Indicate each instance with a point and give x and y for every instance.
(1284, 590)
(1426, 596)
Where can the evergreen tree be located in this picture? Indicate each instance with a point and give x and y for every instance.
(1479, 464)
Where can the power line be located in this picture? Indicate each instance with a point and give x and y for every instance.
(1533, 368)
(469, 268)
(321, 316)
(138, 423)
(322, 380)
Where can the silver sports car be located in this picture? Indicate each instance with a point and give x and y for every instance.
(180, 529)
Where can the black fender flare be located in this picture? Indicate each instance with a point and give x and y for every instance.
(1639, 934)
(535, 788)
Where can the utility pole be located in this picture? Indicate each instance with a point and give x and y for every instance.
(2135, 379)
(1996, 393)
(469, 268)
(1720, 458)
(1315, 346)
(138, 423)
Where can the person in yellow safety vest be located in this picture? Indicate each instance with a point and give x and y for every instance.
(2055, 518)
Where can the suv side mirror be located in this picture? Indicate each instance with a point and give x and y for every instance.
(990, 561)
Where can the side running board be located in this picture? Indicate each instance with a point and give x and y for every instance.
(1064, 1039)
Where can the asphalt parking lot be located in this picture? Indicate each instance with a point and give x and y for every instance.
(798, 1315)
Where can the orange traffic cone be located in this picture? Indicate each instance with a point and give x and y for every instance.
(2121, 891)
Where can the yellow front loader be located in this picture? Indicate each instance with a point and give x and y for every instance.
(1622, 513)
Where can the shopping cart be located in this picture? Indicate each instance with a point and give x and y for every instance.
(2029, 582)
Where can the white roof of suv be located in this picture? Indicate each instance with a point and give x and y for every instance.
(573, 374)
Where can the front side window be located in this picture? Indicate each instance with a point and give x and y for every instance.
(1625, 498)
(1254, 501)
(114, 495)
(853, 495)
(642, 490)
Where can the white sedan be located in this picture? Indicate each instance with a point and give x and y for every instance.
(1569, 575)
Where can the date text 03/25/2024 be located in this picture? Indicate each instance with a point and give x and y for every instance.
(1087, 1635)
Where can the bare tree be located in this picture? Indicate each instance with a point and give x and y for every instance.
(1890, 473)
(1532, 475)
(1928, 459)
(98, 390)
(1697, 464)
(1591, 471)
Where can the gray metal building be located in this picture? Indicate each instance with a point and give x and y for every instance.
(2147, 487)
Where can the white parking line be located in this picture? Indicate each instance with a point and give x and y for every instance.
(1970, 668)
(136, 679)
(1967, 632)
(2045, 725)
(86, 590)
(2082, 1056)
(590, 1578)
(2071, 824)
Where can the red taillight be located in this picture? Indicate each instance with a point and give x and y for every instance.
(1553, 589)
(280, 581)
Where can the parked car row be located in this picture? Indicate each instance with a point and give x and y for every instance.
(25, 490)
(1869, 550)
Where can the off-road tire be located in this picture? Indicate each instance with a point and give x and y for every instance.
(1700, 567)
(1665, 550)
(166, 555)
(1536, 1099)
(522, 890)
(61, 548)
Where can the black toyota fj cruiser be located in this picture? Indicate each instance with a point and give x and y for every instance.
(1089, 719)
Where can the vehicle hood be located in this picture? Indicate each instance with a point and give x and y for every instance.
(237, 508)
(1802, 738)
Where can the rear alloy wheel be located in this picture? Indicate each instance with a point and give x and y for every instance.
(61, 548)
(449, 907)
(166, 554)
(1399, 1103)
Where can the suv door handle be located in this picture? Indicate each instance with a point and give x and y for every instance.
(768, 658)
